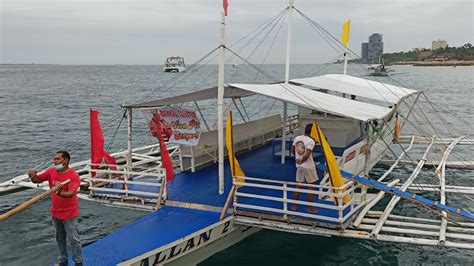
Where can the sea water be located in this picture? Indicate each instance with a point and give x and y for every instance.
(44, 108)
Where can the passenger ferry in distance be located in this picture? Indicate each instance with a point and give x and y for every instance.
(216, 198)
(174, 64)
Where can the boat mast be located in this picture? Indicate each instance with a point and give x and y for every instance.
(220, 102)
(345, 61)
(287, 78)
(345, 42)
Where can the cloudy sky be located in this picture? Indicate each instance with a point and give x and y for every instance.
(146, 32)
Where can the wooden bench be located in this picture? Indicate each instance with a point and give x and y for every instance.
(246, 136)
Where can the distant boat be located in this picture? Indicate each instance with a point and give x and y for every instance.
(174, 64)
(378, 70)
(235, 65)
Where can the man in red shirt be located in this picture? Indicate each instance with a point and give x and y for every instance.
(64, 208)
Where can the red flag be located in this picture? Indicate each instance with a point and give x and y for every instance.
(165, 156)
(97, 144)
(225, 4)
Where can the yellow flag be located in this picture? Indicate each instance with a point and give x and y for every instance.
(333, 167)
(229, 139)
(314, 133)
(345, 33)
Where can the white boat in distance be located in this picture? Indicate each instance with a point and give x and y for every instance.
(378, 70)
(174, 64)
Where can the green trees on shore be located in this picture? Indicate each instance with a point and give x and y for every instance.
(462, 53)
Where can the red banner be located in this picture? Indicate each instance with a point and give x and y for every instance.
(97, 144)
(165, 156)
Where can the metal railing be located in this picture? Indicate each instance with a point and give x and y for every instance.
(335, 194)
(106, 176)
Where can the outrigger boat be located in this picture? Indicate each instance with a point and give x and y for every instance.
(212, 202)
(378, 70)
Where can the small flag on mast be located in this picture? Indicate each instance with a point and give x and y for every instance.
(225, 5)
(345, 33)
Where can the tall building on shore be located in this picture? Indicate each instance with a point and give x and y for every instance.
(438, 44)
(365, 50)
(373, 50)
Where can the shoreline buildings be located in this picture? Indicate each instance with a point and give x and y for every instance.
(438, 44)
(373, 50)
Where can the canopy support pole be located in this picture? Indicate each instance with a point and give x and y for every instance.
(283, 134)
(345, 67)
(220, 103)
(367, 159)
(129, 141)
(288, 41)
(287, 78)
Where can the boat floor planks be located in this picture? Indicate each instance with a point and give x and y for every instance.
(152, 231)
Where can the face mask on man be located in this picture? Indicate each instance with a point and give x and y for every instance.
(59, 167)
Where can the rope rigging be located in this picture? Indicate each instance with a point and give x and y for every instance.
(274, 25)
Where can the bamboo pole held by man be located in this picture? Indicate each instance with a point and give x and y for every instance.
(32, 201)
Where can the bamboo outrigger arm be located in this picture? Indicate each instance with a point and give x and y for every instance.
(440, 172)
(404, 187)
(372, 203)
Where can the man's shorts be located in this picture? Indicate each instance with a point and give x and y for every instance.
(306, 175)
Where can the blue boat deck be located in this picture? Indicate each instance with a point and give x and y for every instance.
(171, 223)
(201, 187)
(147, 233)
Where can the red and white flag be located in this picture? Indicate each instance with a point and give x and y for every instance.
(97, 144)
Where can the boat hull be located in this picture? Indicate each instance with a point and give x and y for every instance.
(197, 246)
(174, 69)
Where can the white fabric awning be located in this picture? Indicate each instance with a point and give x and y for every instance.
(318, 101)
(357, 86)
(206, 94)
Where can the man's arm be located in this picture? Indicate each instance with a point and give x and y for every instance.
(71, 187)
(306, 155)
(66, 194)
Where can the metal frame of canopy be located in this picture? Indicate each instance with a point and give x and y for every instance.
(289, 93)
(357, 86)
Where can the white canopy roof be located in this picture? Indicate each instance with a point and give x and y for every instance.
(357, 86)
(317, 100)
(206, 94)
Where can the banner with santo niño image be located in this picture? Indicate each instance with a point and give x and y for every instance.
(178, 125)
